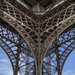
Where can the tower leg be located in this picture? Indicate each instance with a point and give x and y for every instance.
(16, 70)
(17, 62)
(15, 73)
(38, 67)
(59, 73)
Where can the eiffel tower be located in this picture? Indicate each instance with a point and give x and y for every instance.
(37, 35)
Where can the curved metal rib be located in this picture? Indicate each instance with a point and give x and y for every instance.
(16, 49)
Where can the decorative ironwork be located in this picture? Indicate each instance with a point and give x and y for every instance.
(17, 50)
(35, 47)
(59, 51)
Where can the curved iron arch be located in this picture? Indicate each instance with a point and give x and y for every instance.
(62, 48)
(8, 56)
(62, 21)
(13, 44)
(22, 23)
(68, 49)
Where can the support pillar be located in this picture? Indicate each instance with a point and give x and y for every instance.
(38, 66)
(16, 72)
(59, 72)
(16, 69)
(17, 61)
(58, 59)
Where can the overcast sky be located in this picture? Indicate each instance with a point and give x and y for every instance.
(5, 66)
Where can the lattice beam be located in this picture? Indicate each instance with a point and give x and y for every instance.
(39, 36)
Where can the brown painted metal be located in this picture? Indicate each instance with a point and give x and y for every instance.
(31, 40)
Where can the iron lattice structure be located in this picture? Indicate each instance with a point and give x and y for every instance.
(37, 42)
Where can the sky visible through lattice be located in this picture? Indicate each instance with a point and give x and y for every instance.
(6, 69)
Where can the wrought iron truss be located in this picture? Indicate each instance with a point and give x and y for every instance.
(37, 44)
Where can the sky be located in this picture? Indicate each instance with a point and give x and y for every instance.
(69, 67)
(6, 69)
(5, 66)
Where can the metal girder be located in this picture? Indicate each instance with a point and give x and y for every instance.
(8, 15)
(61, 24)
(61, 52)
(14, 46)
(37, 51)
